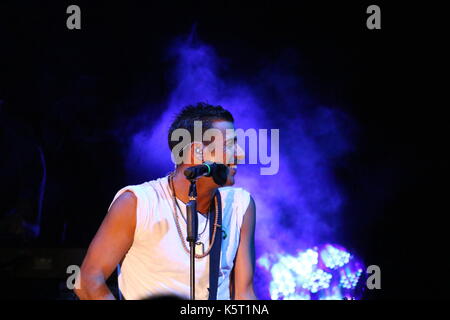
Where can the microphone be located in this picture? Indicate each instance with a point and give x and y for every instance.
(218, 171)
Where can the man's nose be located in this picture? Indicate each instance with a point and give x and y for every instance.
(239, 155)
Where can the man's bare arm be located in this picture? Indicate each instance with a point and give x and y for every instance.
(244, 266)
(112, 241)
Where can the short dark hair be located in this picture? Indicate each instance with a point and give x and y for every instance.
(202, 111)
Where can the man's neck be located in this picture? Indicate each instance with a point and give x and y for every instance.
(205, 191)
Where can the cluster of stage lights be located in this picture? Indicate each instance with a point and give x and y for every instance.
(325, 273)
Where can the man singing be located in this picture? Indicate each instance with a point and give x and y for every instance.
(144, 230)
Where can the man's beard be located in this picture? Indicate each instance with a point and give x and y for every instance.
(230, 180)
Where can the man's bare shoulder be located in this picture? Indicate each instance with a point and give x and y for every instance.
(127, 196)
(125, 203)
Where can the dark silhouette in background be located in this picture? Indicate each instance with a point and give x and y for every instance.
(22, 176)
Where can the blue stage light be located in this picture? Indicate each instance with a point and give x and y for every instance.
(328, 273)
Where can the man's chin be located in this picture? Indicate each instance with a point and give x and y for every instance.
(230, 181)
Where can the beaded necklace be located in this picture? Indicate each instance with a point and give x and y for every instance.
(198, 245)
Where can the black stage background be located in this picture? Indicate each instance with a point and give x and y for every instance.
(67, 91)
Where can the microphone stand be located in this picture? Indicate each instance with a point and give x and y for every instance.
(192, 230)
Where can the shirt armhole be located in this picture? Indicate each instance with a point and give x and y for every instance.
(141, 205)
(244, 200)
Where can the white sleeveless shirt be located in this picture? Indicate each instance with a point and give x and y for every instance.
(157, 263)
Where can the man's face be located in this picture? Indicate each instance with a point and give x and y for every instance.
(224, 149)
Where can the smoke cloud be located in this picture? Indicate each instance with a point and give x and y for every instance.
(298, 207)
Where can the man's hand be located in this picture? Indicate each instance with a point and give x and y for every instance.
(112, 241)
